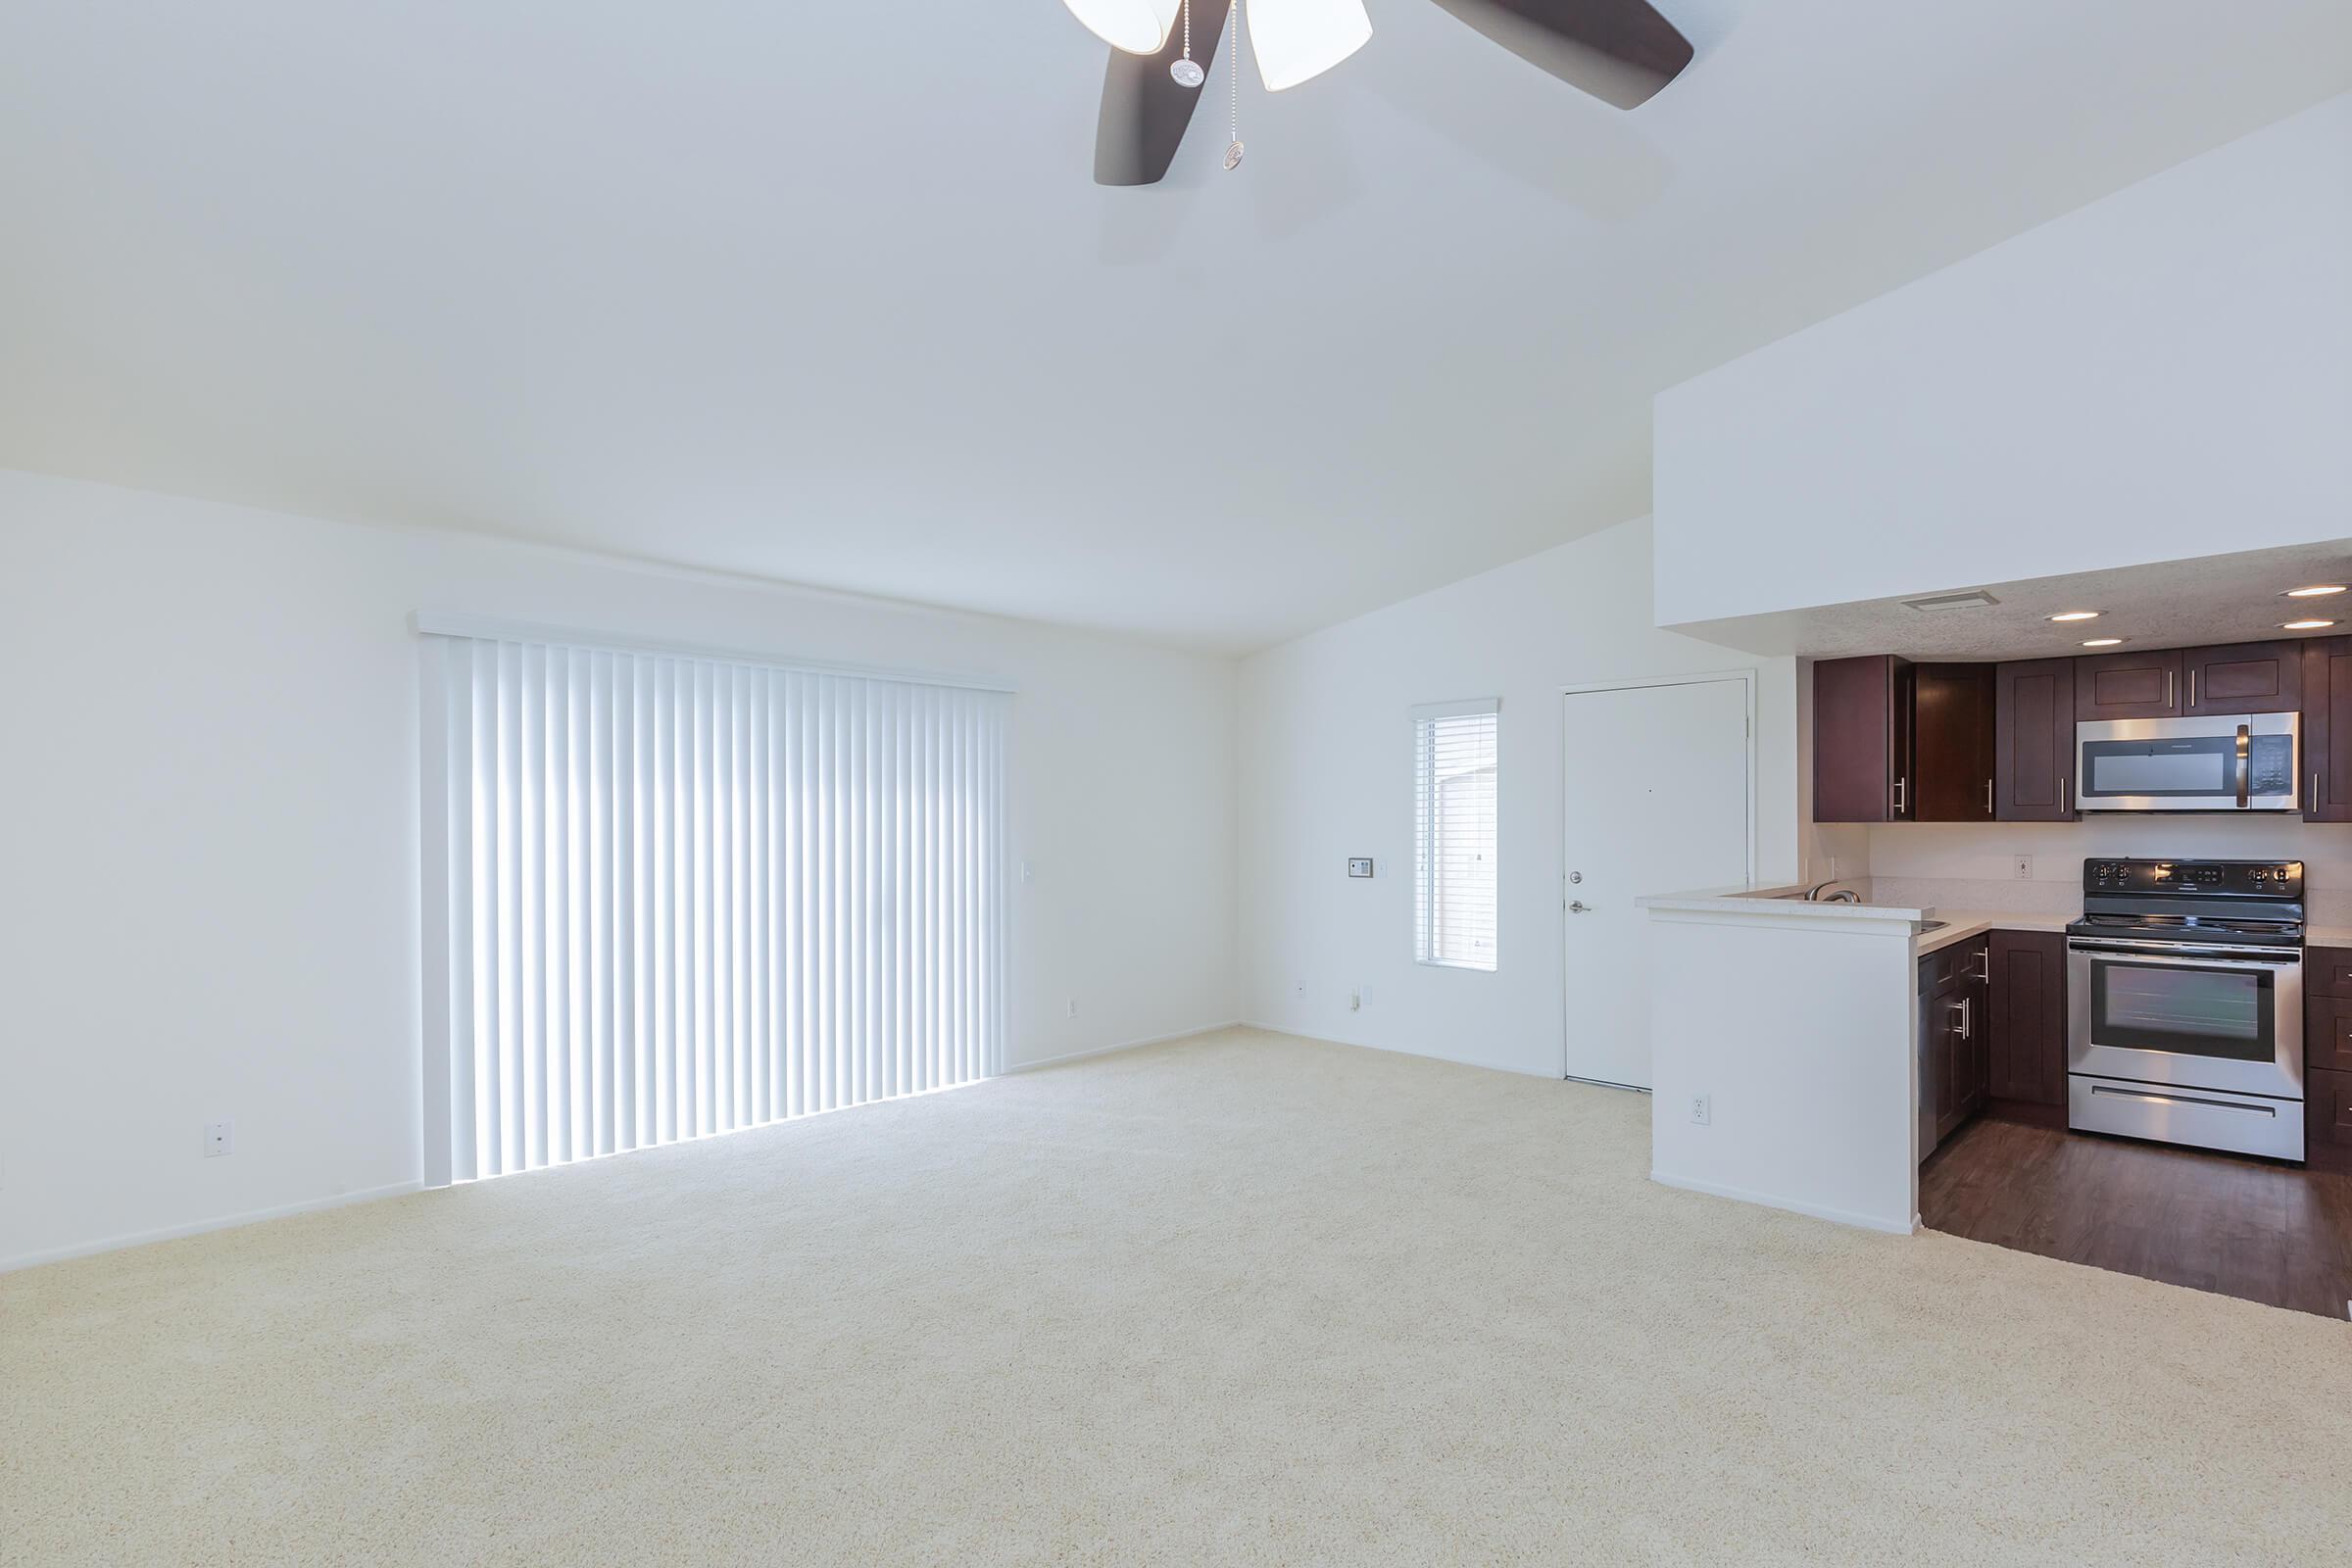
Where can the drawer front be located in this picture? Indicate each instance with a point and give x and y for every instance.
(2327, 1120)
(2328, 1033)
(2327, 972)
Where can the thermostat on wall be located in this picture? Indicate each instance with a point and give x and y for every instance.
(1362, 868)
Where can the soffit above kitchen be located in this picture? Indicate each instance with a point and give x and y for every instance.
(2202, 600)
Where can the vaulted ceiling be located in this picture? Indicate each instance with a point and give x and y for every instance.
(826, 293)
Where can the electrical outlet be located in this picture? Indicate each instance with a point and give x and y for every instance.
(218, 1138)
(2021, 868)
(1702, 1110)
(1363, 995)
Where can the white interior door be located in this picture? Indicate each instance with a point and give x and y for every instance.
(1658, 802)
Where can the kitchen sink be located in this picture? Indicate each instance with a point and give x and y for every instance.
(1923, 927)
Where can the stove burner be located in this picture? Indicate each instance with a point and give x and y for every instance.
(2191, 903)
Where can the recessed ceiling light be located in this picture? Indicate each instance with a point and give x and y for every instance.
(2305, 626)
(2318, 590)
(2102, 642)
(2077, 615)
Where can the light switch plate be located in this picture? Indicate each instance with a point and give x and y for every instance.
(1360, 866)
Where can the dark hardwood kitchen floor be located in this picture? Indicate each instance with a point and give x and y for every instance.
(2268, 1233)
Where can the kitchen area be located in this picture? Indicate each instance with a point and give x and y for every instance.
(2129, 1046)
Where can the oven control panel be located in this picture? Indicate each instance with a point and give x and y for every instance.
(2246, 879)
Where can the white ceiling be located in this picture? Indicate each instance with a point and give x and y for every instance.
(825, 292)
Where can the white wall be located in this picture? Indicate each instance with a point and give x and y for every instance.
(211, 869)
(2161, 375)
(1813, 1095)
(1326, 773)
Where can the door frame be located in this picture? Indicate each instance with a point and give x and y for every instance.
(1747, 682)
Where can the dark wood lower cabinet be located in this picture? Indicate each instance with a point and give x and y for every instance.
(1992, 1027)
(1954, 1029)
(2027, 1016)
(2328, 1119)
(2328, 1033)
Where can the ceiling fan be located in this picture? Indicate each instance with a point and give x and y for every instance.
(1620, 51)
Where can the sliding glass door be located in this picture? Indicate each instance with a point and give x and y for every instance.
(670, 896)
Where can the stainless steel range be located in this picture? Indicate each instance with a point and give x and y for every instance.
(2185, 1000)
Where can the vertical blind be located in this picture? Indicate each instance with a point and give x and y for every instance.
(668, 895)
(1454, 833)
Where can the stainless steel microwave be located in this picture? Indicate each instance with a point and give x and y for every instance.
(2218, 763)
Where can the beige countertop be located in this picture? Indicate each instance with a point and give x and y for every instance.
(1966, 923)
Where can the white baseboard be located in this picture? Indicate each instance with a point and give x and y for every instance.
(172, 1233)
(1843, 1216)
(1124, 1045)
(1549, 1074)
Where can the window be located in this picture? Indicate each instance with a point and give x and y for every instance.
(670, 896)
(1454, 834)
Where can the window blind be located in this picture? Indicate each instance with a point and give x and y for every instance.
(672, 896)
(1454, 833)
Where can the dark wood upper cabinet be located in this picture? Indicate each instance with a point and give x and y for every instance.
(2327, 729)
(2034, 741)
(2243, 678)
(2026, 1019)
(2130, 685)
(1863, 740)
(1952, 752)
(1897, 742)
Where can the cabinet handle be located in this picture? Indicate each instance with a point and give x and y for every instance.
(2168, 688)
(2313, 804)
(1989, 797)
(1961, 1005)
(1898, 796)
(2192, 688)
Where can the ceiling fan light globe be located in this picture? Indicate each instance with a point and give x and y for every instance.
(1297, 40)
(1139, 26)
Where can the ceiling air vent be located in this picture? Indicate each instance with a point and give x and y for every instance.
(1967, 601)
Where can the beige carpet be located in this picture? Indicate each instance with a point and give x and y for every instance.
(1238, 1301)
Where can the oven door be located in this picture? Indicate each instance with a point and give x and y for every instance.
(2198, 1017)
(2245, 763)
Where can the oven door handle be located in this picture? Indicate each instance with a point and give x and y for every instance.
(2175, 952)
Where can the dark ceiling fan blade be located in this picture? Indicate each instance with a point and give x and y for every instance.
(1144, 111)
(1620, 51)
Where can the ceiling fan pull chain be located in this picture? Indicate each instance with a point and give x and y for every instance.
(1233, 59)
(1187, 70)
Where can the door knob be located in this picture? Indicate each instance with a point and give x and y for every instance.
(1578, 907)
